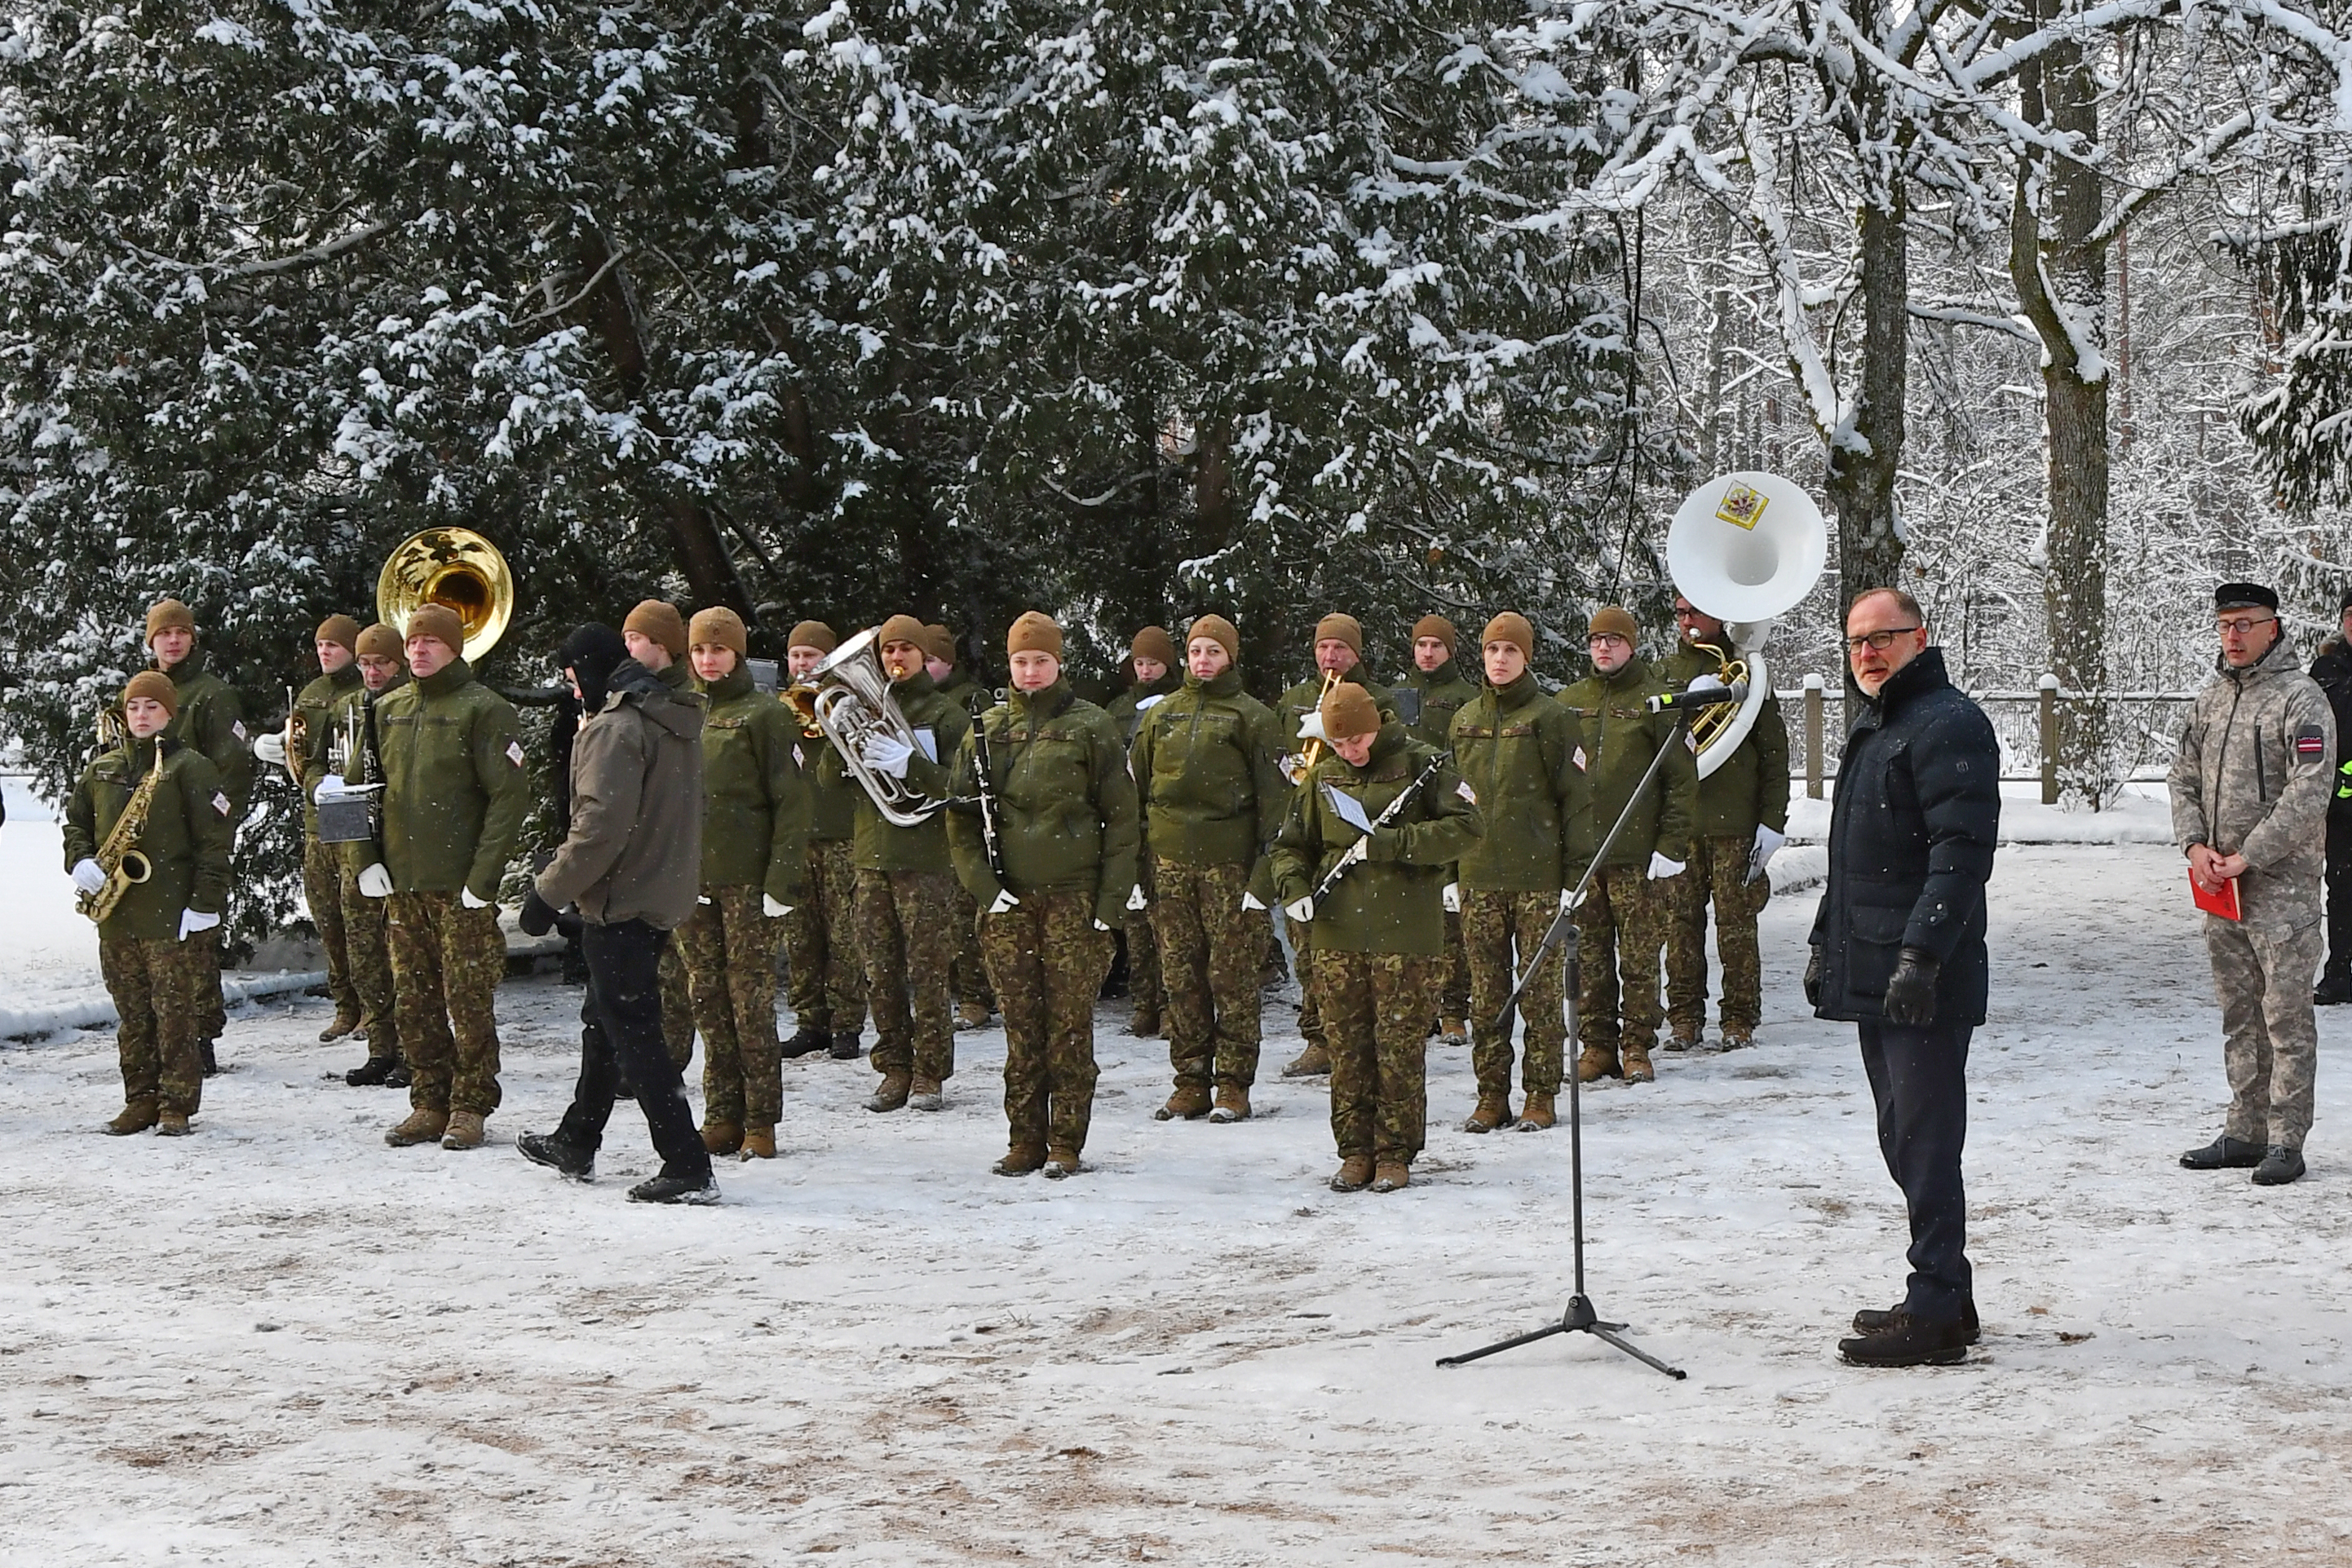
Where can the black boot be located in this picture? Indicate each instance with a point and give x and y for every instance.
(2224, 1154)
(1908, 1341)
(844, 1047)
(2334, 988)
(2279, 1166)
(372, 1073)
(398, 1077)
(210, 1059)
(1871, 1321)
(807, 1040)
(564, 1159)
(696, 1189)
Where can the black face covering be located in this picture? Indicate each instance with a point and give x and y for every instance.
(592, 653)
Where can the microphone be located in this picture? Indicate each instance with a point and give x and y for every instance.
(1703, 694)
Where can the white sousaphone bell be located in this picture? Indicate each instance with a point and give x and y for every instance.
(1745, 547)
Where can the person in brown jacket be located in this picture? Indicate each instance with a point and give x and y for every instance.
(632, 864)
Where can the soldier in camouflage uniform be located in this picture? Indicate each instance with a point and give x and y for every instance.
(454, 797)
(1379, 934)
(382, 669)
(905, 888)
(211, 718)
(144, 944)
(1517, 750)
(1743, 817)
(755, 821)
(322, 864)
(1432, 691)
(2251, 784)
(1152, 663)
(1208, 769)
(827, 973)
(1064, 872)
(1622, 925)
(975, 1003)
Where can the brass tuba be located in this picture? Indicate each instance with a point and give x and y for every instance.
(853, 702)
(456, 568)
(1745, 547)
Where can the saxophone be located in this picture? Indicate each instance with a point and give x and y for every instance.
(120, 856)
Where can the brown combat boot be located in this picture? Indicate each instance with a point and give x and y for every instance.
(1391, 1176)
(1354, 1175)
(1679, 1042)
(1536, 1114)
(1637, 1064)
(1454, 1031)
(1061, 1164)
(345, 1022)
(1020, 1160)
(971, 1015)
(893, 1093)
(1493, 1111)
(1736, 1037)
(1190, 1100)
(721, 1137)
(465, 1131)
(136, 1116)
(1313, 1062)
(759, 1143)
(1597, 1061)
(927, 1094)
(1233, 1103)
(422, 1126)
(171, 1124)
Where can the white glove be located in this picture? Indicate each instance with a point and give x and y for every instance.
(89, 875)
(330, 787)
(888, 754)
(1302, 910)
(465, 896)
(271, 749)
(192, 922)
(1451, 894)
(1661, 868)
(1567, 898)
(1100, 927)
(1311, 726)
(376, 881)
(1004, 901)
(1252, 901)
(1135, 900)
(771, 909)
(1768, 844)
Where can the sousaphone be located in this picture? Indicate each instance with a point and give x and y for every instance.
(456, 568)
(1745, 547)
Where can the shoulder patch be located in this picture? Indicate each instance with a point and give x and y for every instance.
(2310, 741)
(236, 728)
(1467, 793)
(1578, 759)
(220, 802)
(514, 752)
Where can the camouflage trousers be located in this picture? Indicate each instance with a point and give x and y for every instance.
(1620, 930)
(211, 1007)
(1311, 1006)
(969, 974)
(730, 959)
(677, 1006)
(322, 890)
(1047, 962)
(905, 927)
(1210, 953)
(1143, 978)
(365, 946)
(2270, 1040)
(154, 987)
(1716, 874)
(447, 961)
(1376, 1011)
(827, 977)
(1501, 931)
(1454, 997)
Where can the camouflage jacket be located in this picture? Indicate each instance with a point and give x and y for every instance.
(2252, 777)
(1518, 750)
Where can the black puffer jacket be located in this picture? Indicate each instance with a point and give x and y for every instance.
(1912, 829)
(2332, 668)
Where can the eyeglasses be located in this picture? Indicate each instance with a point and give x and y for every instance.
(1879, 641)
(1607, 639)
(2244, 624)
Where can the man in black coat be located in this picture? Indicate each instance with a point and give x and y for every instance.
(2332, 668)
(1899, 949)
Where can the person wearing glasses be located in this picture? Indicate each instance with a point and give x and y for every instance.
(2249, 785)
(1898, 949)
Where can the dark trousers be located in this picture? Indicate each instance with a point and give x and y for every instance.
(621, 1040)
(1919, 1079)
(2339, 894)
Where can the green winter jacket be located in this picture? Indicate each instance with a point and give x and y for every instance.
(189, 826)
(832, 793)
(1392, 901)
(1442, 692)
(455, 789)
(1128, 708)
(923, 847)
(1620, 738)
(1750, 789)
(1518, 749)
(356, 702)
(322, 704)
(1305, 696)
(755, 805)
(211, 717)
(1066, 804)
(1208, 769)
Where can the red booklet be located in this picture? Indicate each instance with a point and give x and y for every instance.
(2223, 904)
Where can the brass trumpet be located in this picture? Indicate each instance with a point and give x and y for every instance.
(1316, 746)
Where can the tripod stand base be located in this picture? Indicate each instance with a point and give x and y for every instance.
(1580, 1318)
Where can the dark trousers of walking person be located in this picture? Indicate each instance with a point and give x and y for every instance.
(621, 1042)
(1919, 1079)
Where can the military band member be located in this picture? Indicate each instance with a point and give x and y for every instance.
(827, 973)
(145, 944)
(1380, 938)
(755, 816)
(975, 1003)
(1743, 818)
(322, 864)
(1621, 924)
(382, 668)
(906, 887)
(454, 797)
(1067, 837)
(210, 718)
(1432, 691)
(1517, 750)
(1208, 770)
(655, 633)
(1154, 669)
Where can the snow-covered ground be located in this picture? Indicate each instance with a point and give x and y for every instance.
(279, 1342)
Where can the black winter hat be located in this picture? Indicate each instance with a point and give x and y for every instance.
(592, 653)
(2344, 601)
(2245, 596)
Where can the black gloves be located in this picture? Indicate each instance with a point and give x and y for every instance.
(1911, 991)
(538, 916)
(1813, 979)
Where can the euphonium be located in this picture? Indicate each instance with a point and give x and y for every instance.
(801, 697)
(456, 568)
(120, 856)
(853, 704)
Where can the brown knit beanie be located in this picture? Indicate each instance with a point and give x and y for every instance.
(154, 684)
(1511, 626)
(812, 634)
(438, 620)
(1610, 619)
(658, 619)
(1154, 643)
(1439, 627)
(1345, 628)
(339, 629)
(380, 641)
(1034, 633)
(1349, 710)
(1220, 629)
(168, 612)
(719, 627)
(939, 643)
(899, 629)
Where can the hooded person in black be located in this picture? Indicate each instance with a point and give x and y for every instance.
(2332, 668)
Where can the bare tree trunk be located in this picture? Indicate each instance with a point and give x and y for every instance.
(1862, 472)
(1713, 432)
